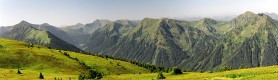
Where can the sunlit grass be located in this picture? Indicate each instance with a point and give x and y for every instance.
(260, 73)
(108, 66)
(53, 63)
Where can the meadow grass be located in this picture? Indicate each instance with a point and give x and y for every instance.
(259, 73)
(53, 63)
(107, 65)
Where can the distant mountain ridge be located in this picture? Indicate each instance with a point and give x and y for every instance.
(31, 33)
(194, 45)
(272, 15)
(81, 32)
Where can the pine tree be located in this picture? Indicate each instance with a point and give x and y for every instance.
(41, 76)
(18, 72)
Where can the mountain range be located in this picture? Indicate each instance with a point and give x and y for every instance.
(248, 40)
(43, 34)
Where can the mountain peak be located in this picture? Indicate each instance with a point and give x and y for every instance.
(150, 22)
(248, 13)
(79, 24)
(251, 17)
(45, 24)
(23, 22)
(208, 21)
(101, 20)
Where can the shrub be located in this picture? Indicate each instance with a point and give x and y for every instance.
(41, 76)
(241, 66)
(176, 71)
(160, 76)
(232, 75)
(225, 68)
(66, 54)
(99, 76)
(18, 72)
(92, 75)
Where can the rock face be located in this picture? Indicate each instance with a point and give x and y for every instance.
(248, 40)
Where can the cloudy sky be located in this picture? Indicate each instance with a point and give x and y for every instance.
(68, 12)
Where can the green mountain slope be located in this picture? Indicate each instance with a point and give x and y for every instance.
(33, 59)
(79, 33)
(161, 42)
(25, 31)
(249, 40)
(55, 31)
(107, 36)
(255, 36)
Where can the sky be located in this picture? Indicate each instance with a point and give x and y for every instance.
(69, 12)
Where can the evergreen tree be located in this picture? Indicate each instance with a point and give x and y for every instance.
(41, 76)
(18, 72)
(93, 74)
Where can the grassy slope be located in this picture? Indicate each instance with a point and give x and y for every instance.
(260, 73)
(52, 63)
(108, 66)
(31, 61)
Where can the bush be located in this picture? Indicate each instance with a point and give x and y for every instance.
(66, 54)
(92, 75)
(41, 76)
(225, 68)
(18, 72)
(160, 76)
(241, 66)
(176, 71)
(232, 75)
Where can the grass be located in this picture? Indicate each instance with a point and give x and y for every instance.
(11, 74)
(107, 65)
(31, 61)
(259, 73)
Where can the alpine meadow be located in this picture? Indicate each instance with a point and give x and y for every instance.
(138, 40)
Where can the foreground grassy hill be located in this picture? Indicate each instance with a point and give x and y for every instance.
(33, 59)
(259, 73)
(108, 66)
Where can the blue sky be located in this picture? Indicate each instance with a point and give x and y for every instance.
(68, 12)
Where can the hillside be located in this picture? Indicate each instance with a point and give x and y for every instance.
(33, 59)
(27, 32)
(79, 33)
(162, 42)
(249, 39)
(55, 31)
(259, 73)
(106, 37)
(255, 36)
